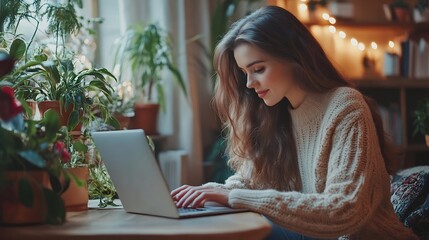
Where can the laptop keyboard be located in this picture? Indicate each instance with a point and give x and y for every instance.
(188, 210)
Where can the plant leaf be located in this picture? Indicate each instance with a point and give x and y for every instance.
(17, 49)
(80, 147)
(55, 183)
(56, 213)
(25, 193)
(73, 120)
(52, 124)
(33, 158)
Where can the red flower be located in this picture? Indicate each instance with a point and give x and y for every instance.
(9, 106)
(6, 64)
(65, 156)
(60, 148)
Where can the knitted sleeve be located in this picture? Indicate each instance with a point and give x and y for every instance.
(351, 160)
(239, 180)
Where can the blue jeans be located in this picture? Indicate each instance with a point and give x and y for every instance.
(281, 233)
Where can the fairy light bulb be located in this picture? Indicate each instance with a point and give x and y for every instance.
(325, 16)
(391, 44)
(342, 34)
(374, 45)
(361, 46)
(354, 42)
(303, 7)
(332, 29)
(332, 20)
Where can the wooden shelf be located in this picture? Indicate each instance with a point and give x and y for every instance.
(400, 26)
(390, 82)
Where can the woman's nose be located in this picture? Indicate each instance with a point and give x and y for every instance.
(250, 82)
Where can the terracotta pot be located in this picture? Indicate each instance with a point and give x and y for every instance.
(33, 107)
(146, 117)
(63, 113)
(76, 197)
(12, 211)
(124, 121)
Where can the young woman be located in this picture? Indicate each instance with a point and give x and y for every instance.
(308, 150)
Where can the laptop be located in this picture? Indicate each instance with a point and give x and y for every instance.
(138, 179)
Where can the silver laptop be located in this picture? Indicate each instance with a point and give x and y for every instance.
(138, 180)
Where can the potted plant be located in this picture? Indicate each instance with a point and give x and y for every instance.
(146, 49)
(121, 109)
(73, 93)
(31, 160)
(421, 120)
(100, 186)
(54, 79)
(77, 171)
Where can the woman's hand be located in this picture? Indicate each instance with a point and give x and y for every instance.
(196, 196)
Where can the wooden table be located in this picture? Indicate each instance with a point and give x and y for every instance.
(118, 224)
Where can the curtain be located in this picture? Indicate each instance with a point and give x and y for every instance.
(188, 120)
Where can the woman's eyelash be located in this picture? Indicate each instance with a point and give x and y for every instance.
(259, 70)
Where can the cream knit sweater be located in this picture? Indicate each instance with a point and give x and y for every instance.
(346, 189)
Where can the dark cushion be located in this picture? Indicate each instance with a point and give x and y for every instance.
(410, 188)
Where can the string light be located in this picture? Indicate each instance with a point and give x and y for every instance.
(361, 46)
(325, 16)
(303, 7)
(332, 21)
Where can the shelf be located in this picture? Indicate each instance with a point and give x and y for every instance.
(400, 26)
(415, 30)
(390, 82)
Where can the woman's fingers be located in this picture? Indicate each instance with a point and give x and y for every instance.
(188, 201)
(177, 190)
(183, 196)
(190, 196)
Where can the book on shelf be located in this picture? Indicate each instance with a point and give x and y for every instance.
(391, 65)
(414, 60)
(392, 122)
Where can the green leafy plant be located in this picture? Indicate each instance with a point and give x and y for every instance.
(78, 148)
(63, 22)
(119, 105)
(44, 79)
(12, 12)
(421, 118)
(147, 49)
(100, 186)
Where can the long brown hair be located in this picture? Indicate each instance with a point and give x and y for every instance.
(257, 132)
